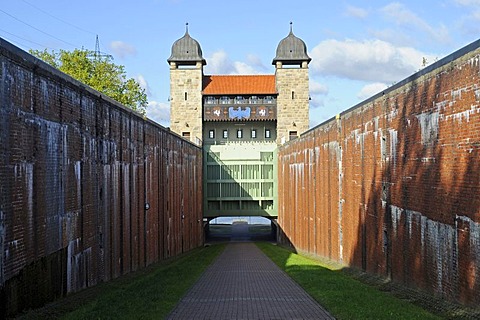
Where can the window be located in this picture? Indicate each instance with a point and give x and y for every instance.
(267, 134)
(186, 96)
(210, 100)
(186, 134)
(224, 100)
(225, 134)
(293, 135)
(211, 134)
(239, 133)
(253, 133)
(293, 95)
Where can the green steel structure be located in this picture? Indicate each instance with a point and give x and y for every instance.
(240, 179)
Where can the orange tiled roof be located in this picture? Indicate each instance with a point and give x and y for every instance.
(239, 84)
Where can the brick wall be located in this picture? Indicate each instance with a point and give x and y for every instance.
(392, 185)
(76, 171)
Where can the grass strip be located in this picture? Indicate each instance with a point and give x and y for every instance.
(343, 296)
(151, 293)
(154, 295)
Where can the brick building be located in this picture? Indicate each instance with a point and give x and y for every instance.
(239, 120)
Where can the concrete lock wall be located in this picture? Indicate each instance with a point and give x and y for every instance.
(392, 185)
(78, 172)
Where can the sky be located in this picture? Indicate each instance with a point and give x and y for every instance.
(358, 48)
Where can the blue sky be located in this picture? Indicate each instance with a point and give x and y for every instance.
(357, 48)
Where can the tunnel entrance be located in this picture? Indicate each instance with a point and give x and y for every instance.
(251, 228)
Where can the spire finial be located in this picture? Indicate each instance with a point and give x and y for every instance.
(291, 27)
(186, 27)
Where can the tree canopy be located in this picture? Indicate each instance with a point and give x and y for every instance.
(98, 72)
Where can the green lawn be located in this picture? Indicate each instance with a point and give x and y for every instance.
(343, 296)
(149, 294)
(154, 295)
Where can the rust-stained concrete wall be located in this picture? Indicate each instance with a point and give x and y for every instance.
(392, 185)
(76, 172)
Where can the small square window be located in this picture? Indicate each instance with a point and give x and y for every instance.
(211, 134)
(254, 133)
(225, 134)
(267, 133)
(293, 135)
(239, 133)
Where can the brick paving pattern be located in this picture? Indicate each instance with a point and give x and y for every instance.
(243, 283)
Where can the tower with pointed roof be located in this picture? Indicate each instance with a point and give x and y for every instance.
(292, 84)
(239, 120)
(186, 79)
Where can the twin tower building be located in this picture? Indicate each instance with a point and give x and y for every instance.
(239, 120)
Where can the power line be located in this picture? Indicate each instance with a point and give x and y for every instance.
(18, 44)
(70, 44)
(14, 35)
(61, 20)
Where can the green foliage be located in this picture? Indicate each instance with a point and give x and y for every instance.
(343, 296)
(98, 72)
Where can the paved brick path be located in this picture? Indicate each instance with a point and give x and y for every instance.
(243, 283)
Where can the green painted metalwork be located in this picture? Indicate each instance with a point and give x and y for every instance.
(240, 179)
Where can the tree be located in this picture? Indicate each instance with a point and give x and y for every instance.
(98, 72)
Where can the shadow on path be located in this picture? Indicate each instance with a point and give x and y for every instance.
(243, 283)
(240, 231)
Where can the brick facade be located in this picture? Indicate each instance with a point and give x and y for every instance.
(76, 173)
(392, 186)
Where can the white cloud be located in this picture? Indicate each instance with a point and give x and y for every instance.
(404, 17)
(159, 112)
(392, 36)
(255, 61)
(317, 102)
(143, 84)
(220, 63)
(370, 90)
(356, 12)
(122, 49)
(243, 68)
(369, 60)
(470, 21)
(318, 88)
(468, 2)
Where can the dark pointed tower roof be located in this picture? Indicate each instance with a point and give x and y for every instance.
(186, 50)
(291, 50)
